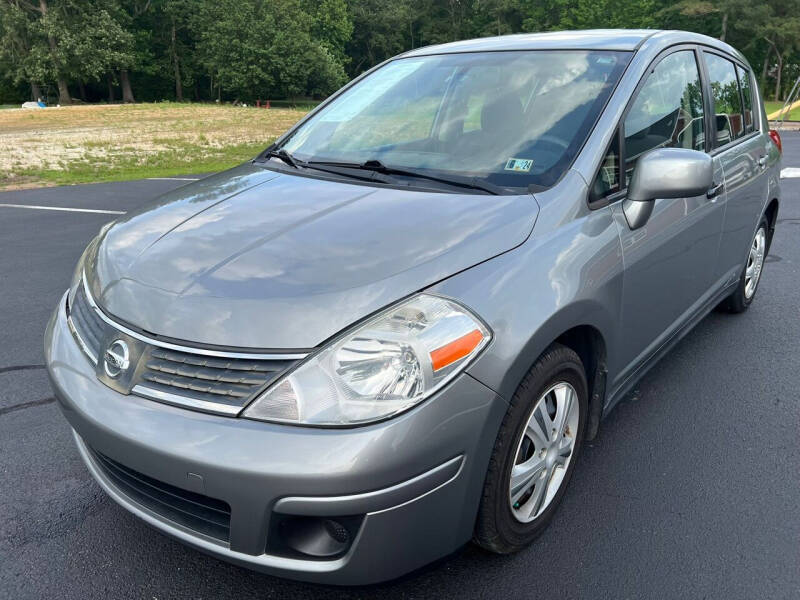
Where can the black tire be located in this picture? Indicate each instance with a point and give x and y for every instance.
(496, 529)
(738, 302)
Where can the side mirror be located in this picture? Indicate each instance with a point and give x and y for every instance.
(666, 173)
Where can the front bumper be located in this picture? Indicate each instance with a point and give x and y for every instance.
(413, 482)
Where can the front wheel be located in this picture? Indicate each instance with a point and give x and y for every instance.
(744, 293)
(535, 452)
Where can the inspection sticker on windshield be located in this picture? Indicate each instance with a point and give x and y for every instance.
(520, 165)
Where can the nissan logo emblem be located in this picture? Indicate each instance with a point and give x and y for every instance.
(117, 358)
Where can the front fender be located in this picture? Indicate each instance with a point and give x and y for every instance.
(567, 274)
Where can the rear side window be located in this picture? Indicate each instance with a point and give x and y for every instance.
(728, 115)
(747, 95)
(668, 110)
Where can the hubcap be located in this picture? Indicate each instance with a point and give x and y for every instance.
(544, 452)
(755, 262)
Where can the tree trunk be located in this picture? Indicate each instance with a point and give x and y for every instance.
(127, 92)
(82, 91)
(110, 88)
(63, 90)
(36, 91)
(778, 77)
(177, 67)
(765, 66)
(724, 27)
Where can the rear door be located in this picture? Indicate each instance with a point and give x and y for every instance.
(670, 261)
(741, 147)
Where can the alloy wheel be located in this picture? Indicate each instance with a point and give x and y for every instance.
(755, 263)
(544, 452)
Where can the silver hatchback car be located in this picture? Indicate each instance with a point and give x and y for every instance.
(390, 333)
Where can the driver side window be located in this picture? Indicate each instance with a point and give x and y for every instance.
(666, 113)
(668, 110)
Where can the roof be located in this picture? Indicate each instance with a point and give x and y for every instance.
(590, 39)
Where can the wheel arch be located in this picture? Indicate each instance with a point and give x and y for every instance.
(771, 212)
(584, 327)
(589, 344)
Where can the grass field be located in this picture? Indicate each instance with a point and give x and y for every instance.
(82, 144)
(771, 107)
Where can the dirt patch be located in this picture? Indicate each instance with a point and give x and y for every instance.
(110, 136)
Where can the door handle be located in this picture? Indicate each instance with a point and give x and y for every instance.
(762, 160)
(715, 191)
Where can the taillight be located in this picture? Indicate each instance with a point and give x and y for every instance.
(776, 137)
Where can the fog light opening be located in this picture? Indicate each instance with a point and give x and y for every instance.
(317, 537)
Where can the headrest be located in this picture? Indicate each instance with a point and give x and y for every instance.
(502, 114)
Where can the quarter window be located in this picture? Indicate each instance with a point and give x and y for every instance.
(607, 181)
(747, 96)
(668, 111)
(727, 101)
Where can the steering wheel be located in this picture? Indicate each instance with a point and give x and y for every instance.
(551, 140)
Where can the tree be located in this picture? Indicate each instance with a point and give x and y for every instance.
(16, 49)
(177, 18)
(96, 41)
(380, 30)
(65, 40)
(126, 13)
(256, 49)
(42, 31)
(248, 49)
(330, 25)
(782, 33)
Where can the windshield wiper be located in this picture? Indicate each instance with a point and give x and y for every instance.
(378, 167)
(332, 167)
(285, 157)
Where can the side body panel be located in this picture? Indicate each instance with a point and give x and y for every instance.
(567, 274)
(670, 262)
(669, 267)
(751, 171)
(746, 184)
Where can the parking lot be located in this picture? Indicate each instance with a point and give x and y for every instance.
(691, 489)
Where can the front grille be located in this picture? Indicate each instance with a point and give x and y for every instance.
(87, 323)
(205, 515)
(211, 381)
(227, 381)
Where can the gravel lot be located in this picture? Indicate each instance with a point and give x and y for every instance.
(690, 490)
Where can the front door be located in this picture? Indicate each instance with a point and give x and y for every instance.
(670, 261)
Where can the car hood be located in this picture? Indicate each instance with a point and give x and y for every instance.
(253, 258)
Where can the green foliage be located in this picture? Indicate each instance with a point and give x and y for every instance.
(255, 49)
(726, 97)
(380, 30)
(331, 25)
(250, 49)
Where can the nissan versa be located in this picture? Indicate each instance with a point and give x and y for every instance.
(390, 332)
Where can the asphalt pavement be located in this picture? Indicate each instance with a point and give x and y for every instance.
(691, 490)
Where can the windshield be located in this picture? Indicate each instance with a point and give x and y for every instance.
(510, 118)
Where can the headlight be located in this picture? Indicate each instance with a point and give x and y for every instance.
(379, 369)
(77, 274)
